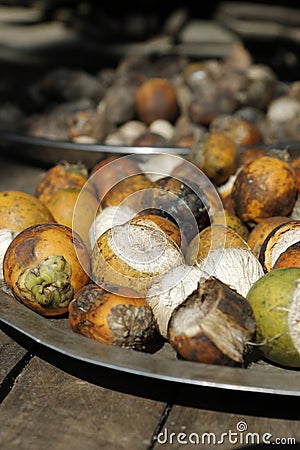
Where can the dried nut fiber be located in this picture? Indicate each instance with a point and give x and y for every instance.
(132, 255)
(237, 267)
(214, 325)
(169, 290)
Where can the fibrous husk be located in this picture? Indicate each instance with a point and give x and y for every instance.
(214, 325)
(169, 290)
(236, 267)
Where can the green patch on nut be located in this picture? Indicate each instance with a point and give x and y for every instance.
(48, 283)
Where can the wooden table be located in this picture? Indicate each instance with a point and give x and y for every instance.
(48, 400)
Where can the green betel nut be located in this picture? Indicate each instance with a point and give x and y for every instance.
(49, 283)
(275, 300)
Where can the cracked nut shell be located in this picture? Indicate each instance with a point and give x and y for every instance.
(277, 242)
(261, 230)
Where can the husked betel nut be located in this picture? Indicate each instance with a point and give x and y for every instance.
(169, 290)
(132, 255)
(214, 325)
(236, 267)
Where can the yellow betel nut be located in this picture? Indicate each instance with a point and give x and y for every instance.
(264, 188)
(211, 238)
(75, 208)
(19, 210)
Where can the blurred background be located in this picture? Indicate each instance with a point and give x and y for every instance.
(85, 33)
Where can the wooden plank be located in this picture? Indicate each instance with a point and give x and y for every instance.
(229, 419)
(49, 408)
(190, 426)
(10, 354)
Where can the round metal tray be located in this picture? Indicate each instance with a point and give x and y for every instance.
(57, 335)
(48, 152)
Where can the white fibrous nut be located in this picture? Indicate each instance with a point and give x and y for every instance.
(159, 166)
(283, 109)
(83, 139)
(284, 242)
(214, 325)
(131, 130)
(133, 255)
(144, 248)
(225, 189)
(114, 139)
(169, 291)
(106, 219)
(6, 237)
(162, 127)
(260, 72)
(236, 267)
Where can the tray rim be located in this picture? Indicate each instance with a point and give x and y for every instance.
(21, 139)
(7, 137)
(46, 333)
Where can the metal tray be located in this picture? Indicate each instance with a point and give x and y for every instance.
(57, 335)
(48, 152)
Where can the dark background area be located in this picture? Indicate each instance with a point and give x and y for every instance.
(104, 24)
